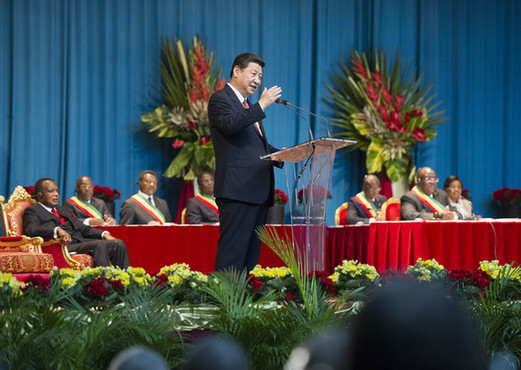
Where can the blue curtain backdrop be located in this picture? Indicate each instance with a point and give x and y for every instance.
(75, 77)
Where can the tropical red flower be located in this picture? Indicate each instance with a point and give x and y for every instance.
(204, 139)
(419, 134)
(178, 143)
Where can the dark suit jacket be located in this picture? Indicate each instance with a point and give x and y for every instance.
(199, 213)
(37, 221)
(240, 174)
(356, 213)
(99, 204)
(412, 207)
(131, 213)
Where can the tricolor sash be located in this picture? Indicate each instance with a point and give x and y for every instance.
(430, 202)
(209, 201)
(366, 204)
(86, 207)
(149, 208)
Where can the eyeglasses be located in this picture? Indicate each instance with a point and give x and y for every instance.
(430, 179)
(83, 187)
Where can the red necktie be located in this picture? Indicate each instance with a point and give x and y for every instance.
(246, 106)
(55, 212)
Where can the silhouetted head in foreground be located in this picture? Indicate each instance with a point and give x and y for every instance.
(138, 358)
(216, 353)
(413, 326)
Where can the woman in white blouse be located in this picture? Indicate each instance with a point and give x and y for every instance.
(453, 186)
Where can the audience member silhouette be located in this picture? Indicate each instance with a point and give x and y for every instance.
(138, 358)
(216, 353)
(413, 326)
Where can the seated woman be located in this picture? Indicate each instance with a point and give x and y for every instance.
(463, 207)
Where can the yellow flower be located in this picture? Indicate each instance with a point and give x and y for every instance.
(69, 282)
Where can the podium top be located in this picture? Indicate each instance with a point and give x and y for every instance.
(304, 150)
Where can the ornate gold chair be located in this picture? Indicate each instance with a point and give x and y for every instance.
(184, 220)
(391, 209)
(341, 215)
(22, 256)
(11, 220)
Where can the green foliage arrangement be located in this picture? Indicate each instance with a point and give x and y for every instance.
(386, 111)
(58, 322)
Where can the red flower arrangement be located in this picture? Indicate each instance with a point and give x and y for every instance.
(29, 189)
(478, 278)
(280, 197)
(387, 112)
(188, 81)
(37, 282)
(105, 193)
(508, 196)
(316, 192)
(99, 287)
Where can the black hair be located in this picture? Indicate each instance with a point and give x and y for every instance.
(450, 179)
(38, 187)
(243, 60)
(146, 172)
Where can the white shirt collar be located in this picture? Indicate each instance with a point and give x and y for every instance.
(47, 208)
(144, 195)
(239, 95)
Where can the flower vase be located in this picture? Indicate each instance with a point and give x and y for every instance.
(276, 214)
(400, 187)
(510, 210)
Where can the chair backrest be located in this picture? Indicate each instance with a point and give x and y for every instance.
(12, 211)
(391, 210)
(184, 220)
(341, 215)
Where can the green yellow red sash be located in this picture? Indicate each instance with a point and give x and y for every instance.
(86, 207)
(209, 201)
(366, 204)
(149, 208)
(430, 202)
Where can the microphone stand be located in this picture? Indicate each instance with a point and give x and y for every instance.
(311, 138)
(286, 103)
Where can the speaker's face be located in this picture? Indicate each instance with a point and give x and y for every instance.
(50, 194)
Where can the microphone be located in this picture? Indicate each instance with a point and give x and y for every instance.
(286, 103)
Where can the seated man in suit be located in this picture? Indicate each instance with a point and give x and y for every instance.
(86, 208)
(365, 206)
(47, 220)
(144, 208)
(202, 208)
(425, 201)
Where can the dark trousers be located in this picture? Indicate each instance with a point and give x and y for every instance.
(239, 246)
(104, 252)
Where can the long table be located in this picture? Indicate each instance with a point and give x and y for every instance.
(153, 247)
(385, 245)
(457, 245)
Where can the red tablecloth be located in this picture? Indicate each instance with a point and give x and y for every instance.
(455, 244)
(395, 245)
(153, 247)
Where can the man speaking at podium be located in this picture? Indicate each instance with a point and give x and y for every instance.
(243, 182)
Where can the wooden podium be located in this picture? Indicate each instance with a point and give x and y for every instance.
(309, 194)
